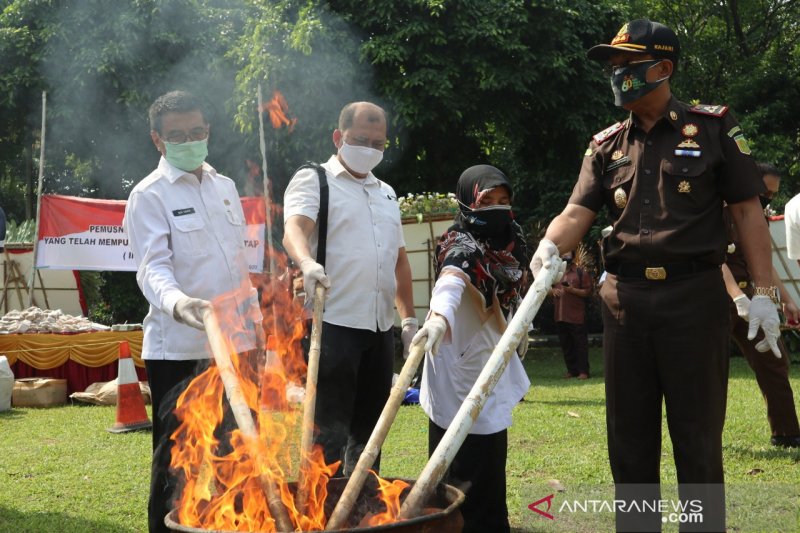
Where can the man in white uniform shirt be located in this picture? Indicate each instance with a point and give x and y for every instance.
(185, 226)
(366, 272)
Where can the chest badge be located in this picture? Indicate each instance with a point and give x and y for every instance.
(673, 115)
(616, 155)
(689, 130)
(688, 144)
(620, 198)
(684, 187)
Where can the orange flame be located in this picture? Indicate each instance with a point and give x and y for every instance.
(278, 109)
(222, 470)
(389, 493)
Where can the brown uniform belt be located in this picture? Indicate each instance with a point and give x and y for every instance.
(658, 272)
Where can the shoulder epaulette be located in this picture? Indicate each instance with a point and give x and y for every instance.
(712, 110)
(607, 133)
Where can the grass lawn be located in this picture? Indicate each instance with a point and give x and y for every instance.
(61, 471)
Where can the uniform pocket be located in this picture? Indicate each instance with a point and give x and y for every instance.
(235, 228)
(190, 235)
(617, 186)
(687, 184)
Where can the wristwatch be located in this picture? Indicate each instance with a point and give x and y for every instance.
(772, 292)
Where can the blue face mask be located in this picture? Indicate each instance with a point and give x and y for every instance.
(187, 156)
(630, 83)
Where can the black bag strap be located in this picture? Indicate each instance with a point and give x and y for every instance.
(322, 217)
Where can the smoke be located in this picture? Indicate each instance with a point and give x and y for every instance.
(104, 64)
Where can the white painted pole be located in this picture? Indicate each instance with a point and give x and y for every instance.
(38, 199)
(356, 482)
(459, 428)
(269, 266)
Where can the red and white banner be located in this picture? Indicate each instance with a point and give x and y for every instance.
(87, 234)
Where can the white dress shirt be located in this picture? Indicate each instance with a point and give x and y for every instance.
(364, 237)
(448, 376)
(791, 218)
(187, 237)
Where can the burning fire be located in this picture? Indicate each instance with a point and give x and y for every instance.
(228, 475)
(389, 493)
(278, 108)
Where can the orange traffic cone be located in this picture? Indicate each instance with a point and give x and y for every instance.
(131, 415)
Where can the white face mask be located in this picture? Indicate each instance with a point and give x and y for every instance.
(360, 159)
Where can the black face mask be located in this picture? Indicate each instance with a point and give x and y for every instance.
(764, 201)
(630, 83)
(492, 220)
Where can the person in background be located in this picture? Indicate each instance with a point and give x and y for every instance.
(481, 274)
(366, 272)
(772, 374)
(569, 306)
(185, 225)
(663, 174)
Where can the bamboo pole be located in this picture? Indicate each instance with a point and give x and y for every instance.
(309, 401)
(32, 283)
(454, 437)
(269, 265)
(356, 482)
(243, 417)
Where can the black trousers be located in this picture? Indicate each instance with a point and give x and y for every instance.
(355, 378)
(772, 376)
(167, 379)
(574, 340)
(478, 469)
(667, 341)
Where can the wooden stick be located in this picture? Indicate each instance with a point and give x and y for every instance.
(243, 417)
(454, 437)
(356, 482)
(309, 401)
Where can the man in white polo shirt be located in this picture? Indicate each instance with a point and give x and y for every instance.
(185, 227)
(366, 272)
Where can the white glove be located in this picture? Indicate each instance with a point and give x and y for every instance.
(433, 330)
(743, 306)
(410, 327)
(189, 311)
(522, 347)
(313, 273)
(546, 256)
(763, 314)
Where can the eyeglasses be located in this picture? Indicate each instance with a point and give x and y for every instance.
(180, 137)
(610, 70)
(363, 141)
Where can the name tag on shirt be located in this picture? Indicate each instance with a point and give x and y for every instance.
(184, 211)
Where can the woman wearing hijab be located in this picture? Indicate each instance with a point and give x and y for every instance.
(482, 272)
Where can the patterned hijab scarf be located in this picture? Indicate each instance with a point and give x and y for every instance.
(483, 244)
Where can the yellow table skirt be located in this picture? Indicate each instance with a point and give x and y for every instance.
(50, 350)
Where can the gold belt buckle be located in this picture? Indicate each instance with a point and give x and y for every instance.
(655, 273)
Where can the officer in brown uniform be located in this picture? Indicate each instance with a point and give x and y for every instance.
(772, 374)
(663, 174)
